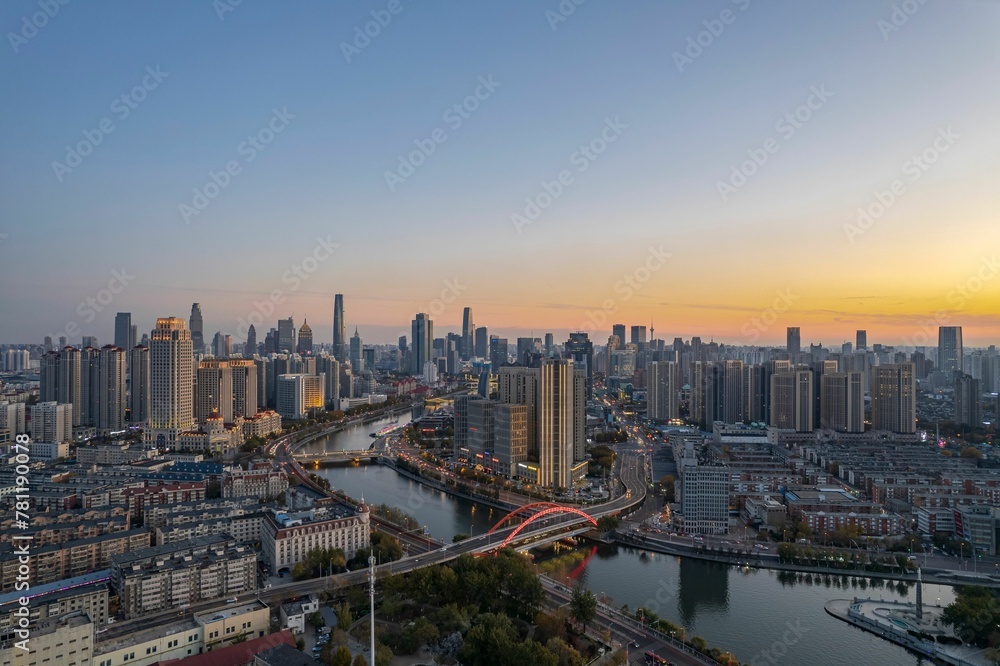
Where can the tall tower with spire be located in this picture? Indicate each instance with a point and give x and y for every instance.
(357, 359)
(305, 346)
(339, 329)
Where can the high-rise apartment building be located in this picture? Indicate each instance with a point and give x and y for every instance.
(52, 422)
(894, 404)
(968, 401)
(139, 386)
(111, 400)
(792, 400)
(842, 401)
(555, 423)
(794, 340)
(171, 374)
(663, 379)
(950, 353)
(61, 381)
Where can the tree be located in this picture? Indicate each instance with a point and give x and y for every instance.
(975, 614)
(459, 537)
(344, 617)
(608, 523)
(383, 655)
(359, 660)
(342, 657)
(583, 606)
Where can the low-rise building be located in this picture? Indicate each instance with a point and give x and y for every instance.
(294, 614)
(286, 538)
(178, 574)
(64, 641)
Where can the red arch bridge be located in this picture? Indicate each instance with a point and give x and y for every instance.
(534, 512)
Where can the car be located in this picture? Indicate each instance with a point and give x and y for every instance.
(635, 644)
(232, 600)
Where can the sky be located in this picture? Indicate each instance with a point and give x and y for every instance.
(721, 168)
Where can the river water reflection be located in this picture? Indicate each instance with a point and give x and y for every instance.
(764, 617)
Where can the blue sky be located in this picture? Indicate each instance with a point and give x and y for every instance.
(656, 185)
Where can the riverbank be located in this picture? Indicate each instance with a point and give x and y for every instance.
(336, 428)
(450, 490)
(894, 621)
(770, 561)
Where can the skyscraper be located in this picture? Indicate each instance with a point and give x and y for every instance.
(305, 345)
(285, 342)
(619, 330)
(422, 335)
(950, 353)
(171, 374)
(498, 352)
(138, 370)
(111, 399)
(525, 350)
(555, 423)
(550, 345)
(861, 340)
(792, 400)
(663, 379)
(357, 359)
(123, 330)
(482, 342)
(60, 380)
(580, 349)
(197, 338)
(638, 335)
(842, 401)
(794, 344)
(339, 330)
(968, 401)
(468, 335)
(250, 348)
(894, 404)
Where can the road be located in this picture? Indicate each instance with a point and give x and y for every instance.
(626, 632)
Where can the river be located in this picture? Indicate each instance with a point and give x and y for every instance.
(758, 615)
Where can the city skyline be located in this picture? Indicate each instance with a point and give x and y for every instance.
(860, 193)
